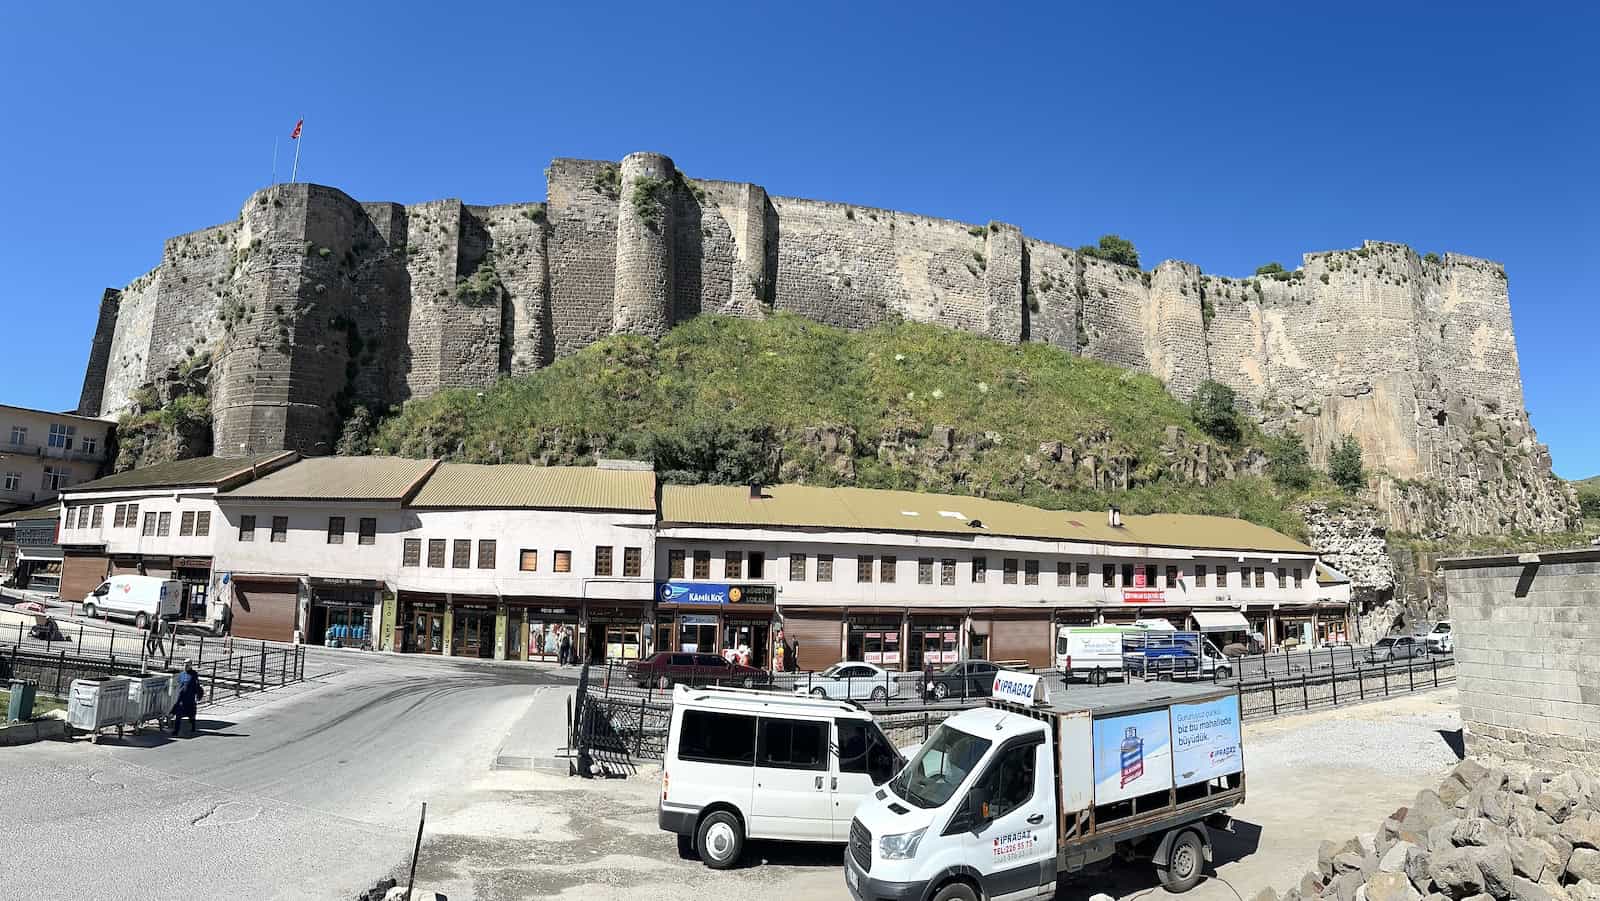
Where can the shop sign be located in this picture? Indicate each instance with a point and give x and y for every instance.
(752, 594)
(555, 611)
(696, 593)
(697, 619)
(887, 646)
(1021, 689)
(1143, 596)
(329, 582)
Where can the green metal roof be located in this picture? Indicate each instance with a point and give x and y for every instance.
(517, 486)
(51, 510)
(191, 473)
(339, 478)
(804, 506)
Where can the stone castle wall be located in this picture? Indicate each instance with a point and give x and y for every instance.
(312, 303)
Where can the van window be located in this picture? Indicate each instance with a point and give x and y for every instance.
(103, 590)
(793, 744)
(863, 749)
(709, 737)
(1009, 779)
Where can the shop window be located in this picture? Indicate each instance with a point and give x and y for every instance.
(1261, 577)
(709, 737)
(461, 553)
(1108, 576)
(1200, 576)
(186, 524)
(864, 568)
(163, 524)
(1150, 575)
(247, 528)
(632, 562)
(824, 567)
(1127, 575)
(118, 514)
(436, 553)
(924, 570)
(1172, 577)
(133, 516)
(1298, 573)
(675, 564)
(602, 560)
(1063, 573)
(529, 561)
(411, 553)
(486, 553)
(797, 567)
(1283, 577)
(702, 564)
(886, 568)
(100, 518)
(1030, 572)
(947, 571)
(757, 565)
(149, 529)
(1009, 570)
(367, 530)
(733, 565)
(280, 529)
(1081, 573)
(563, 561)
(980, 568)
(336, 530)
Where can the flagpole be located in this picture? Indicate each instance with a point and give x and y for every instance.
(293, 173)
(274, 159)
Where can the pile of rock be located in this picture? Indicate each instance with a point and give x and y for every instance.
(1483, 835)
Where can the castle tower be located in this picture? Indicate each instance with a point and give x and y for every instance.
(643, 294)
(94, 377)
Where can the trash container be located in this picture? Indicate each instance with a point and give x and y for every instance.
(150, 697)
(21, 700)
(94, 704)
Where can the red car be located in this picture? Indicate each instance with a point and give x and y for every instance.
(666, 668)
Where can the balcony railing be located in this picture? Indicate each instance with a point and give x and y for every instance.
(27, 449)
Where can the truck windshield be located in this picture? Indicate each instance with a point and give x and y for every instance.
(939, 768)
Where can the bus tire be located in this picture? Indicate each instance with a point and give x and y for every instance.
(1185, 863)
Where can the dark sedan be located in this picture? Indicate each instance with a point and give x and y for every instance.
(667, 668)
(967, 679)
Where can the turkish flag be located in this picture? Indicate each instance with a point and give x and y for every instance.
(295, 135)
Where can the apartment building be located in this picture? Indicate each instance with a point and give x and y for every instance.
(896, 577)
(42, 452)
(158, 521)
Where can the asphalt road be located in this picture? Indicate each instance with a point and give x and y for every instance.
(307, 792)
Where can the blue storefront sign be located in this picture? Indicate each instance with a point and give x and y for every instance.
(692, 593)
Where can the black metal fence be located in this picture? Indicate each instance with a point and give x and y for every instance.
(1332, 688)
(222, 677)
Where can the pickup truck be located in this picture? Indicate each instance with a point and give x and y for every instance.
(1004, 799)
(1168, 655)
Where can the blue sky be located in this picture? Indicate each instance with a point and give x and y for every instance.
(1225, 138)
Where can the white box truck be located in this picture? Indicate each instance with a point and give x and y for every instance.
(1001, 800)
(145, 599)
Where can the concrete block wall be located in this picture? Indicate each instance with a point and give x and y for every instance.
(1528, 680)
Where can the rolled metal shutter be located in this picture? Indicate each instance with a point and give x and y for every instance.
(264, 610)
(81, 574)
(819, 636)
(1019, 638)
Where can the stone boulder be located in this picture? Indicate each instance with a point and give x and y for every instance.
(1389, 887)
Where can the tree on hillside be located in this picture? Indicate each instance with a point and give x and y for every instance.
(1212, 409)
(1113, 248)
(1288, 462)
(1269, 269)
(1344, 465)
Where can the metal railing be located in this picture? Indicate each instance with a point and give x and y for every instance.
(223, 677)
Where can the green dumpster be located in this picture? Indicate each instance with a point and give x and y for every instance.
(21, 700)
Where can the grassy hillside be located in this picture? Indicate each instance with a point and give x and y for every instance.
(786, 399)
(1589, 500)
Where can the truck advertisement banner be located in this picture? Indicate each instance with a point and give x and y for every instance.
(1205, 740)
(1132, 755)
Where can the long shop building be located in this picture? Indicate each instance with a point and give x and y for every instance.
(504, 562)
(902, 579)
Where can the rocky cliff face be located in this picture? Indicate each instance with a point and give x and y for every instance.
(313, 304)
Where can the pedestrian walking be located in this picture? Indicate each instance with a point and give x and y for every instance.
(188, 701)
(927, 675)
(566, 648)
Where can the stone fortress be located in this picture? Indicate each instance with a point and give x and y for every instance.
(311, 302)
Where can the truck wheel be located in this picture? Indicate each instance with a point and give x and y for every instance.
(720, 840)
(1224, 672)
(1098, 677)
(1185, 860)
(89, 611)
(141, 621)
(940, 691)
(956, 891)
(686, 847)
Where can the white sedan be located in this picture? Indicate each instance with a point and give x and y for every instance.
(855, 681)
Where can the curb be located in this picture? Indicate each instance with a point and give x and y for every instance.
(46, 729)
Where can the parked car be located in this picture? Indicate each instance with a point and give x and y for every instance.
(1403, 647)
(855, 681)
(665, 669)
(1441, 640)
(967, 679)
(763, 765)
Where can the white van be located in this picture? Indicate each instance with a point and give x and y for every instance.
(1089, 652)
(744, 764)
(145, 598)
